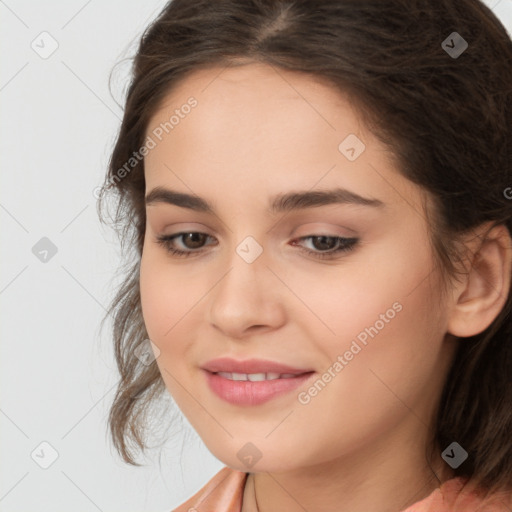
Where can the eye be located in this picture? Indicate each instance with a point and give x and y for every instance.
(195, 239)
(330, 246)
(326, 246)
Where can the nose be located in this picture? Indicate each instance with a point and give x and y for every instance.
(247, 298)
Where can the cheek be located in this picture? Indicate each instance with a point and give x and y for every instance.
(154, 298)
(389, 340)
(167, 306)
(365, 288)
(379, 299)
(172, 301)
(167, 298)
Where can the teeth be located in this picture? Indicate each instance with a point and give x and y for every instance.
(256, 377)
(225, 375)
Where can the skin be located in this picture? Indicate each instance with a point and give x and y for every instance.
(360, 442)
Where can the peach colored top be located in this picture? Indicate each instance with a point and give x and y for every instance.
(224, 493)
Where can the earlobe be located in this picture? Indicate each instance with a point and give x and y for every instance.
(479, 299)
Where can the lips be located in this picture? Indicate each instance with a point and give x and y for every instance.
(252, 366)
(248, 393)
(254, 381)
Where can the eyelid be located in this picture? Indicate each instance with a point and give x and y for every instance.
(320, 229)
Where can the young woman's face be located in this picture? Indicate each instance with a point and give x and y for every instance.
(267, 283)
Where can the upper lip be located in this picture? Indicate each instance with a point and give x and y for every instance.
(226, 364)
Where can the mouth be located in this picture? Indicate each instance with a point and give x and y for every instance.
(251, 389)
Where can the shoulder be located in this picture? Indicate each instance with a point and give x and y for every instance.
(460, 495)
(222, 493)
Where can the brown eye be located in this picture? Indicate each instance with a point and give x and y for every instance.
(193, 240)
(325, 246)
(324, 243)
(190, 243)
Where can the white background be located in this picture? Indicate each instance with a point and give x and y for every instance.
(57, 371)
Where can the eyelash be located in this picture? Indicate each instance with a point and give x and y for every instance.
(346, 245)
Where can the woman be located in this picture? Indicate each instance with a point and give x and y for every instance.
(317, 196)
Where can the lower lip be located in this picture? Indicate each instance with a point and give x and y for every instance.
(245, 392)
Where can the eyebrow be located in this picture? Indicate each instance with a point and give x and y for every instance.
(279, 204)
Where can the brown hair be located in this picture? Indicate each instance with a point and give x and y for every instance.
(446, 119)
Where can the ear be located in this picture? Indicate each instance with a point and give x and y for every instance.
(483, 292)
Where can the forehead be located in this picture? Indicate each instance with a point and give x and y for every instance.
(264, 129)
(255, 100)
